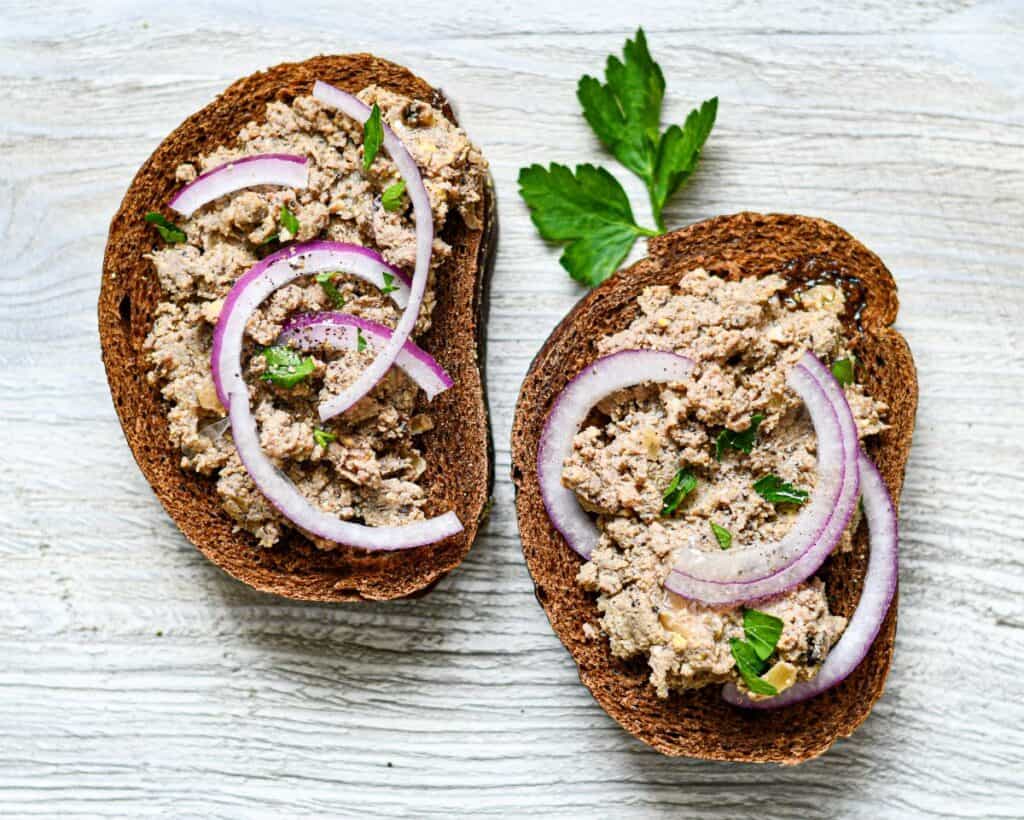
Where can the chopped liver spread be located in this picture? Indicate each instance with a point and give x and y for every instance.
(743, 336)
(366, 465)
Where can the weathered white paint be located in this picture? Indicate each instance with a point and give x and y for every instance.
(136, 679)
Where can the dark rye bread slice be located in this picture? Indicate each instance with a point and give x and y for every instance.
(458, 450)
(698, 723)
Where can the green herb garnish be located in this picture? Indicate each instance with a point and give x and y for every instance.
(360, 340)
(373, 137)
(743, 441)
(326, 281)
(391, 199)
(285, 367)
(289, 221)
(589, 210)
(170, 232)
(774, 489)
(625, 113)
(750, 667)
(389, 283)
(682, 485)
(842, 369)
(763, 631)
(323, 437)
(722, 535)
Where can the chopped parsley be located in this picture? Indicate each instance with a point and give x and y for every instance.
(842, 369)
(389, 283)
(360, 340)
(169, 232)
(722, 535)
(743, 441)
(774, 489)
(326, 281)
(750, 667)
(588, 208)
(285, 367)
(289, 221)
(373, 137)
(323, 437)
(391, 199)
(762, 632)
(682, 485)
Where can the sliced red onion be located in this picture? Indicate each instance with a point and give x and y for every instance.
(277, 270)
(595, 382)
(285, 496)
(875, 599)
(341, 330)
(358, 110)
(286, 170)
(771, 568)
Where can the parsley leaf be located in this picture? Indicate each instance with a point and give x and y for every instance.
(389, 283)
(678, 152)
(326, 281)
(744, 440)
(285, 367)
(774, 489)
(682, 485)
(391, 199)
(360, 340)
(289, 221)
(763, 631)
(842, 369)
(170, 232)
(373, 137)
(722, 535)
(323, 437)
(589, 210)
(625, 113)
(750, 667)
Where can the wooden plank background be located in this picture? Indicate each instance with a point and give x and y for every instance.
(138, 680)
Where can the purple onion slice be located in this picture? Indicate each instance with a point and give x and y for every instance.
(286, 170)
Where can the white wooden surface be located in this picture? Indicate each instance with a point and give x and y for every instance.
(138, 680)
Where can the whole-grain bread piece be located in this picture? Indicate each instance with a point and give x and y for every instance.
(457, 450)
(698, 723)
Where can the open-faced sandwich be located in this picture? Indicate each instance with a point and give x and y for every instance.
(708, 453)
(291, 317)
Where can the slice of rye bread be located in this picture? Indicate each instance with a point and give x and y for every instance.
(699, 723)
(458, 451)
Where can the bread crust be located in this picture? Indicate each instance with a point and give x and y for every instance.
(699, 723)
(458, 451)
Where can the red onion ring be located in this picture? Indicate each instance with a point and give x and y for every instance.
(341, 331)
(273, 272)
(596, 381)
(359, 111)
(769, 569)
(875, 599)
(285, 496)
(287, 170)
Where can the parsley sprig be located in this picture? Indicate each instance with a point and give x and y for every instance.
(625, 113)
(774, 489)
(373, 137)
(588, 208)
(742, 441)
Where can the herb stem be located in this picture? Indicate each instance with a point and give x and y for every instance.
(656, 211)
(649, 232)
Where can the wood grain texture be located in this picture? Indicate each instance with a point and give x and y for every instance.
(138, 680)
